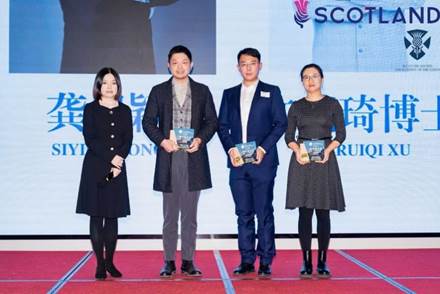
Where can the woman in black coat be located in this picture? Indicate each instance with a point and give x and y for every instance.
(103, 191)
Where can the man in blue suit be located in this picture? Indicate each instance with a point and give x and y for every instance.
(253, 111)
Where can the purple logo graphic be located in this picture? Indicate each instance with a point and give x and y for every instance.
(301, 15)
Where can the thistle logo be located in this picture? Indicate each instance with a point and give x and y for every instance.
(301, 15)
(417, 43)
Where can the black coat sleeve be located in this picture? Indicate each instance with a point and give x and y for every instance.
(127, 135)
(279, 122)
(224, 129)
(291, 125)
(209, 125)
(150, 120)
(338, 122)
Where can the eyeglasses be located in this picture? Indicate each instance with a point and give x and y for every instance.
(313, 77)
(244, 64)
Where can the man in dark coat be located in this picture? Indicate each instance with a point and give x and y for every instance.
(180, 103)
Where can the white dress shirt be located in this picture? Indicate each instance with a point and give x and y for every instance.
(246, 96)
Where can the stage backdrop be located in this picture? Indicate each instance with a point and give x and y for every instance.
(381, 60)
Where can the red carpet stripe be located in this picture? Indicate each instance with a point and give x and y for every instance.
(401, 262)
(425, 286)
(376, 273)
(224, 273)
(70, 273)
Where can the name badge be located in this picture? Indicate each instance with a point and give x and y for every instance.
(265, 94)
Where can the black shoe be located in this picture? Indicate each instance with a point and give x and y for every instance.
(244, 268)
(112, 270)
(306, 268)
(322, 269)
(100, 273)
(168, 269)
(189, 269)
(264, 270)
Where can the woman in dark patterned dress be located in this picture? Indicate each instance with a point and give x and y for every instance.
(314, 186)
(103, 191)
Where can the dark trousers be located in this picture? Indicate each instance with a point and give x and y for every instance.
(252, 190)
(305, 228)
(184, 201)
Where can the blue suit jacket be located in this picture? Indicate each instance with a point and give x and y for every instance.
(266, 124)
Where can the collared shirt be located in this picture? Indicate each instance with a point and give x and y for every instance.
(246, 96)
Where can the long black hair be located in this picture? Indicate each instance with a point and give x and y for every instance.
(99, 79)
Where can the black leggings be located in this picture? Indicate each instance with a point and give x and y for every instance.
(103, 234)
(305, 228)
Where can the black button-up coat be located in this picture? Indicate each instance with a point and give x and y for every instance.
(107, 132)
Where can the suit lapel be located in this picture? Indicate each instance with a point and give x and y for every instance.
(168, 103)
(236, 100)
(254, 101)
(253, 105)
(194, 101)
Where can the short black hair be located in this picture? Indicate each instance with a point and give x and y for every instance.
(100, 78)
(179, 49)
(311, 65)
(249, 51)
